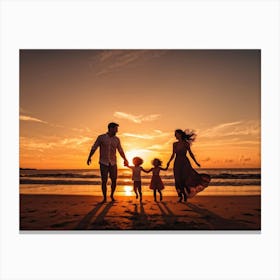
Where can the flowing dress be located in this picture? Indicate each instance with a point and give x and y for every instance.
(185, 176)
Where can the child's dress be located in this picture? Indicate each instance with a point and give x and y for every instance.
(156, 182)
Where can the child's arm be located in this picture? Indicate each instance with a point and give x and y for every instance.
(146, 171)
(166, 168)
(129, 166)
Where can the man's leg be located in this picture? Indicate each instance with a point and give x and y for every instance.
(113, 172)
(104, 170)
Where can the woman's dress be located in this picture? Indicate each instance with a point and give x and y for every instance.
(185, 176)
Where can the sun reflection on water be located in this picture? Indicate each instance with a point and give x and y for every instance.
(128, 190)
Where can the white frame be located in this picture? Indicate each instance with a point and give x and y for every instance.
(166, 24)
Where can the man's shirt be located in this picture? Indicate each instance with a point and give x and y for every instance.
(108, 146)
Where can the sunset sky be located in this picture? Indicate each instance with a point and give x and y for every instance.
(67, 98)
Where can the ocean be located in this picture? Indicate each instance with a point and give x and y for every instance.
(242, 181)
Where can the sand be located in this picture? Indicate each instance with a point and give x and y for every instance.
(78, 212)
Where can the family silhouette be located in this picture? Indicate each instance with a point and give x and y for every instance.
(188, 182)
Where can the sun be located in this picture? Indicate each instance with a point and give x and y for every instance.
(144, 154)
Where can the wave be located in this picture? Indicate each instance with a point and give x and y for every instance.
(168, 183)
(236, 176)
(60, 175)
(128, 176)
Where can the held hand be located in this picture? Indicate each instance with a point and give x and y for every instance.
(198, 164)
(88, 161)
(125, 162)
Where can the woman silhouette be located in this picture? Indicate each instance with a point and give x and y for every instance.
(187, 181)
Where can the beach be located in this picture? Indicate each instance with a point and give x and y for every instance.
(86, 213)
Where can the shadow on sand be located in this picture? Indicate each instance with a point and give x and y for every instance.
(216, 222)
(139, 217)
(198, 219)
(86, 222)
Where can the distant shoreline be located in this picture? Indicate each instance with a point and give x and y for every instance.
(29, 168)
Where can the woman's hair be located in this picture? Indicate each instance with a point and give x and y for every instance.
(187, 135)
(156, 161)
(137, 161)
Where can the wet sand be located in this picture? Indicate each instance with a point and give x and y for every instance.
(80, 212)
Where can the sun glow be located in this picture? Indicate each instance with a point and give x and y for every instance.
(128, 190)
(144, 154)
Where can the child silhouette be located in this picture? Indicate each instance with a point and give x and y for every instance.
(156, 182)
(136, 175)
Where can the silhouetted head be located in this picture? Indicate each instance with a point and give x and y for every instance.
(113, 128)
(186, 135)
(156, 162)
(137, 161)
(180, 134)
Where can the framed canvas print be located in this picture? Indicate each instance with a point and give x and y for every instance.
(140, 139)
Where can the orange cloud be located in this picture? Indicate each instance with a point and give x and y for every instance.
(136, 119)
(28, 118)
(109, 61)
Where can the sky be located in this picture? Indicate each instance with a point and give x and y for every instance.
(67, 98)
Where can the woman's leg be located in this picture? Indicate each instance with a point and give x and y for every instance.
(184, 193)
(180, 178)
(179, 191)
(176, 172)
(155, 195)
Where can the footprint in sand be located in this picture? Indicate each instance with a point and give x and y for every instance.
(245, 221)
(60, 225)
(31, 210)
(207, 217)
(132, 218)
(247, 214)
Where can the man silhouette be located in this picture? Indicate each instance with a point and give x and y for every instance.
(108, 143)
